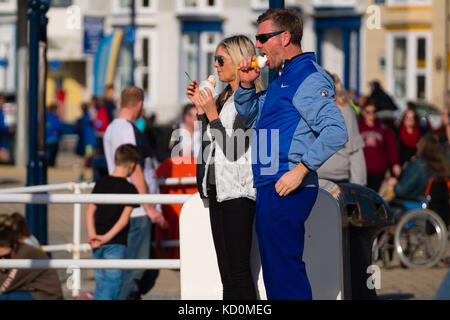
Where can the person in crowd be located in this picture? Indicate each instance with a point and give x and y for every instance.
(381, 149)
(353, 101)
(409, 135)
(380, 98)
(300, 126)
(143, 178)
(109, 102)
(20, 226)
(360, 101)
(87, 140)
(445, 129)
(158, 137)
(107, 225)
(423, 124)
(53, 134)
(429, 162)
(25, 284)
(227, 181)
(99, 113)
(348, 164)
(141, 122)
(186, 135)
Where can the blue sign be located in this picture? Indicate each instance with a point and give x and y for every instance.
(55, 65)
(4, 63)
(129, 34)
(93, 34)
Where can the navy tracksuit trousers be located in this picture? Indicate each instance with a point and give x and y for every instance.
(280, 225)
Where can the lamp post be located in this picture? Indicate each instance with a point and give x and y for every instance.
(133, 31)
(37, 169)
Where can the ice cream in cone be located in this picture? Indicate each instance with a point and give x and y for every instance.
(210, 84)
(260, 63)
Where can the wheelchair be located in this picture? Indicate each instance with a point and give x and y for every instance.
(419, 237)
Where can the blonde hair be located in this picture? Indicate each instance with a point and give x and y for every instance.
(238, 47)
(340, 94)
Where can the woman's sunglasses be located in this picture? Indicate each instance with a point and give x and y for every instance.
(219, 59)
(263, 37)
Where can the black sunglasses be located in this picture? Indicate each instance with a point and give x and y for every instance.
(219, 59)
(263, 37)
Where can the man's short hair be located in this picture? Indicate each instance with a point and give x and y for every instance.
(285, 19)
(131, 96)
(126, 153)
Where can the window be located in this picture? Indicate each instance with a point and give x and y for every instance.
(408, 2)
(208, 46)
(421, 64)
(333, 3)
(198, 51)
(7, 58)
(145, 63)
(7, 5)
(61, 3)
(260, 4)
(408, 65)
(400, 67)
(199, 6)
(142, 6)
(190, 46)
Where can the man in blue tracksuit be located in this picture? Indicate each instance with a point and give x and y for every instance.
(298, 127)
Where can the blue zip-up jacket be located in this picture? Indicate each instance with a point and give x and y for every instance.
(296, 120)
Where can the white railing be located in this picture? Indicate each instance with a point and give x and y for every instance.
(29, 195)
(91, 264)
(94, 198)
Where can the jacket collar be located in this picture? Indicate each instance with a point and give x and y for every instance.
(302, 57)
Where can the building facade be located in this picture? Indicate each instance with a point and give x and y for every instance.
(409, 54)
(401, 43)
(8, 46)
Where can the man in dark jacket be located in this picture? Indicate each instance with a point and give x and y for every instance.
(381, 99)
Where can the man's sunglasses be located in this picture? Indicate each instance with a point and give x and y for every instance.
(219, 59)
(263, 37)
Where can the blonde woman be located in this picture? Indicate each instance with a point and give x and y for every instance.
(348, 164)
(224, 173)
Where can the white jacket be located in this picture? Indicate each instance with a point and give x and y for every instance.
(234, 179)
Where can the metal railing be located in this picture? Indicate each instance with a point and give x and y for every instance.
(29, 195)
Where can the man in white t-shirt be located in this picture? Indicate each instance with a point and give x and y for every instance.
(122, 131)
